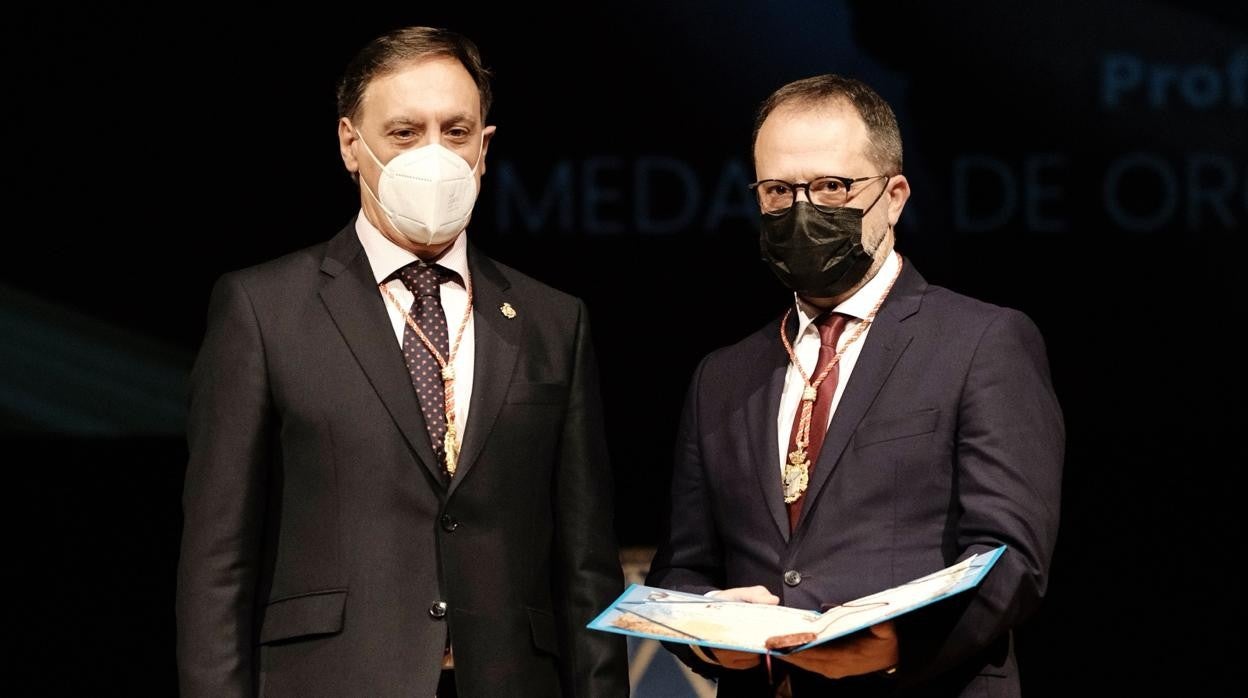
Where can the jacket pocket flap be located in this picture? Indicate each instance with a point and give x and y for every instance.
(544, 393)
(542, 625)
(314, 613)
(912, 424)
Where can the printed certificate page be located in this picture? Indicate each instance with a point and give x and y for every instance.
(674, 616)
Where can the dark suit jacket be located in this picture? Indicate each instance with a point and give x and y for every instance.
(948, 441)
(319, 529)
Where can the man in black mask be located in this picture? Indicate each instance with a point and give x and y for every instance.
(877, 430)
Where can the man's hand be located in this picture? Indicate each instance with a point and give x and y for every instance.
(732, 659)
(754, 594)
(871, 650)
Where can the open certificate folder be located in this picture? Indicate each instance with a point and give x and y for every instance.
(674, 616)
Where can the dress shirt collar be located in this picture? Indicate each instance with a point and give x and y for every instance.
(385, 257)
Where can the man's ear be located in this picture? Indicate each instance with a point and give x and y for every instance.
(347, 135)
(487, 135)
(898, 194)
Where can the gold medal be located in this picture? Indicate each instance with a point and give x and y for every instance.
(796, 476)
(451, 445)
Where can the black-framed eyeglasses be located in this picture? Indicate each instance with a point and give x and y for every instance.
(825, 193)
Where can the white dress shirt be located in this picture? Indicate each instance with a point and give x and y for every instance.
(857, 306)
(385, 258)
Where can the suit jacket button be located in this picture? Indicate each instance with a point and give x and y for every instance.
(792, 578)
(449, 524)
(438, 610)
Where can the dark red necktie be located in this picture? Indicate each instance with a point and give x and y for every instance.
(425, 281)
(830, 326)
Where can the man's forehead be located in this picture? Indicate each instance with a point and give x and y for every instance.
(810, 141)
(437, 86)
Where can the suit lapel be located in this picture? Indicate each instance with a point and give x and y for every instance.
(350, 294)
(497, 339)
(761, 408)
(885, 343)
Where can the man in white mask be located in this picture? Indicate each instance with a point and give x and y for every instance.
(398, 482)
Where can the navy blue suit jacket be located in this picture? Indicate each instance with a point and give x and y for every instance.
(948, 441)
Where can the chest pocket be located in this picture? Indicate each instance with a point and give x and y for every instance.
(893, 428)
(537, 393)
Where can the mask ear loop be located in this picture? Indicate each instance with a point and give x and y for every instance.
(363, 181)
(480, 152)
(867, 210)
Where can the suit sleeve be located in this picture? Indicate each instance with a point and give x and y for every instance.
(1009, 455)
(689, 558)
(223, 495)
(587, 575)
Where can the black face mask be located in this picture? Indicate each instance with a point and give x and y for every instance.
(816, 254)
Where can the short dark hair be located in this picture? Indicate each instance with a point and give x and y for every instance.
(388, 52)
(884, 148)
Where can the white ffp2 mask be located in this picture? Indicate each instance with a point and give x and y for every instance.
(426, 192)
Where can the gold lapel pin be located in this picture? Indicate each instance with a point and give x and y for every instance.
(507, 311)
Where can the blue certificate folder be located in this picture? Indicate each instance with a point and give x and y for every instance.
(693, 619)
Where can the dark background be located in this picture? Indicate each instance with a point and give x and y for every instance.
(1084, 162)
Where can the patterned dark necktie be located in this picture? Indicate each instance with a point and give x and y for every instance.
(425, 282)
(830, 326)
